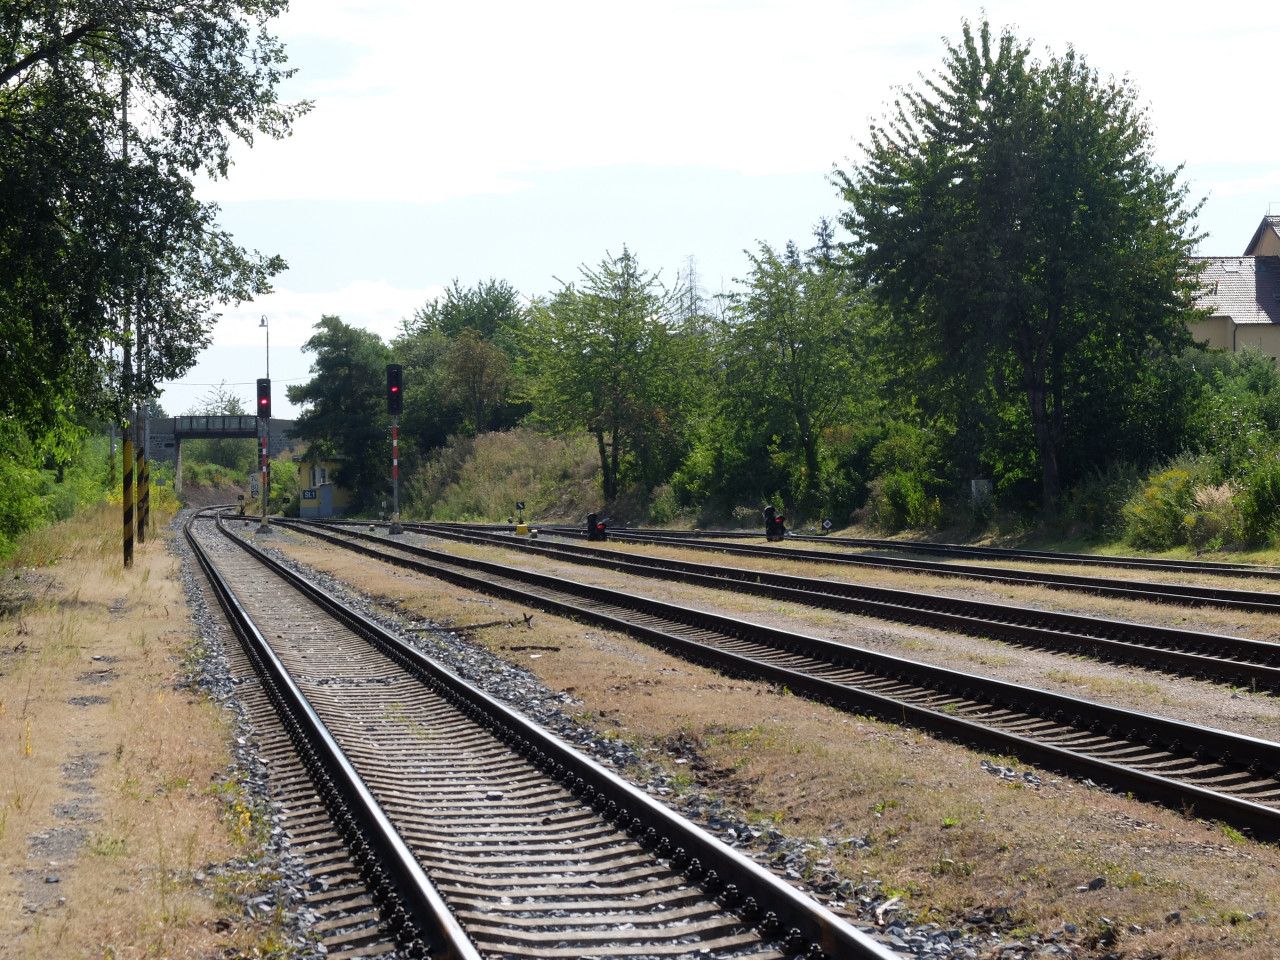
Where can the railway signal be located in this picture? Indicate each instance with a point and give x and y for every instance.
(395, 389)
(774, 524)
(264, 398)
(597, 528)
(264, 445)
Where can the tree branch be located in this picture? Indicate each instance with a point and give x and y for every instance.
(48, 50)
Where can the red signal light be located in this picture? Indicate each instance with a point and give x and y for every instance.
(264, 398)
(395, 381)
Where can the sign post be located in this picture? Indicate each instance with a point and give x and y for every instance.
(264, 433)
(395, 526)
(395, 406)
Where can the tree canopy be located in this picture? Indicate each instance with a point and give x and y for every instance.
(108, 110)
(607, 356)
(1011, 216)
(344, 414)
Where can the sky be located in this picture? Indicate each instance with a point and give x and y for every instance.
(521, 140)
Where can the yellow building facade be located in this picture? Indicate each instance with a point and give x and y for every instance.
(1243, 295)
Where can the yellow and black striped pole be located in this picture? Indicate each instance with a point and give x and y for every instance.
(126, 489)
(144, 497)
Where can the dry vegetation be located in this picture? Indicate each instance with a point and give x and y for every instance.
(116, 817)
(949, 836)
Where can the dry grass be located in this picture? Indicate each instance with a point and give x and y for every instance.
(1193, 701)
(110, 777)
(942, 831)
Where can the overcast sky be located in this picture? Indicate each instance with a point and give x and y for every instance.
(518, 140)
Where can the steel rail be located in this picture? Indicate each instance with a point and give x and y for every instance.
(1194, 595)
(1215, 773)
(1214, 567)
(778, 910)
(1198, 654)
(414, 907)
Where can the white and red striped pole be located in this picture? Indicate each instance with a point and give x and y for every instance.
(395, 477)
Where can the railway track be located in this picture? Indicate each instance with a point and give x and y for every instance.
(1211, 773)
(1198, 654)
(1214, 567)
(1194, 595)
(478, 833)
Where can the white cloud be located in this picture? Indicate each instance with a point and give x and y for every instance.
(291, 315)
(444, 100)
(1266, 185)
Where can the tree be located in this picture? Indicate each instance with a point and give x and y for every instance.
(1011, 216)
(791, 359)
(477, 378)
(238, 454)
(608, 358)
(345, 411)
(107, 259)
(492, 309)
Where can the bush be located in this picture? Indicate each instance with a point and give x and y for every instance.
(1259, 502)
(898, 499)
(1162, 513)
(664, 505)
(1095, 506)
(482, 478)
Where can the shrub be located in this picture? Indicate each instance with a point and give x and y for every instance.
(1161, 514)
(898, 499)
(482, 478)
(664, 505)
(1259, 502)
(1096, 504)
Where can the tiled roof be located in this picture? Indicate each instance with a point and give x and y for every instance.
(1246, 289)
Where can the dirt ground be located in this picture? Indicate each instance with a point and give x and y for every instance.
(964, 838)
(119, 831)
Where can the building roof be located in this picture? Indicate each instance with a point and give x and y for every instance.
(1269, 225)
(1246, 289)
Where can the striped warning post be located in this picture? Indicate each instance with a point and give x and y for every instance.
(126, 490)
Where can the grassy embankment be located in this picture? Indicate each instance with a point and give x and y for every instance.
(118, 818)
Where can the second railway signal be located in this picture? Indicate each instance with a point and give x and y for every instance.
(264, 443)
(264, 398)
(395, 389)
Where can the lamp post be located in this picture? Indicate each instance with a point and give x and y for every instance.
(264, 481)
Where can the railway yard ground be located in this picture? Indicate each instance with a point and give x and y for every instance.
(126, 828)
(131, 825)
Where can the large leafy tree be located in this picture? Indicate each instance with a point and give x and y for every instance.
(344, 414)
(492, 310)
(1010, 214)
(460, 352)
(791, 358)
(608, 356)
(108, 111)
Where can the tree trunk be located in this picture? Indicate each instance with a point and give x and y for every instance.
(613, 467)
(606, 480)
(1051, 482)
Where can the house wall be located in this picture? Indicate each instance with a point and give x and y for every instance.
(1215, 333)
(328, 498)
(1263, 336)
(1268, 245)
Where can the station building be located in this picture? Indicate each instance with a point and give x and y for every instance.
(320, 497)
(1243, 294)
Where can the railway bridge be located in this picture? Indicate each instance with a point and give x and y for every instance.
(165, 436)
